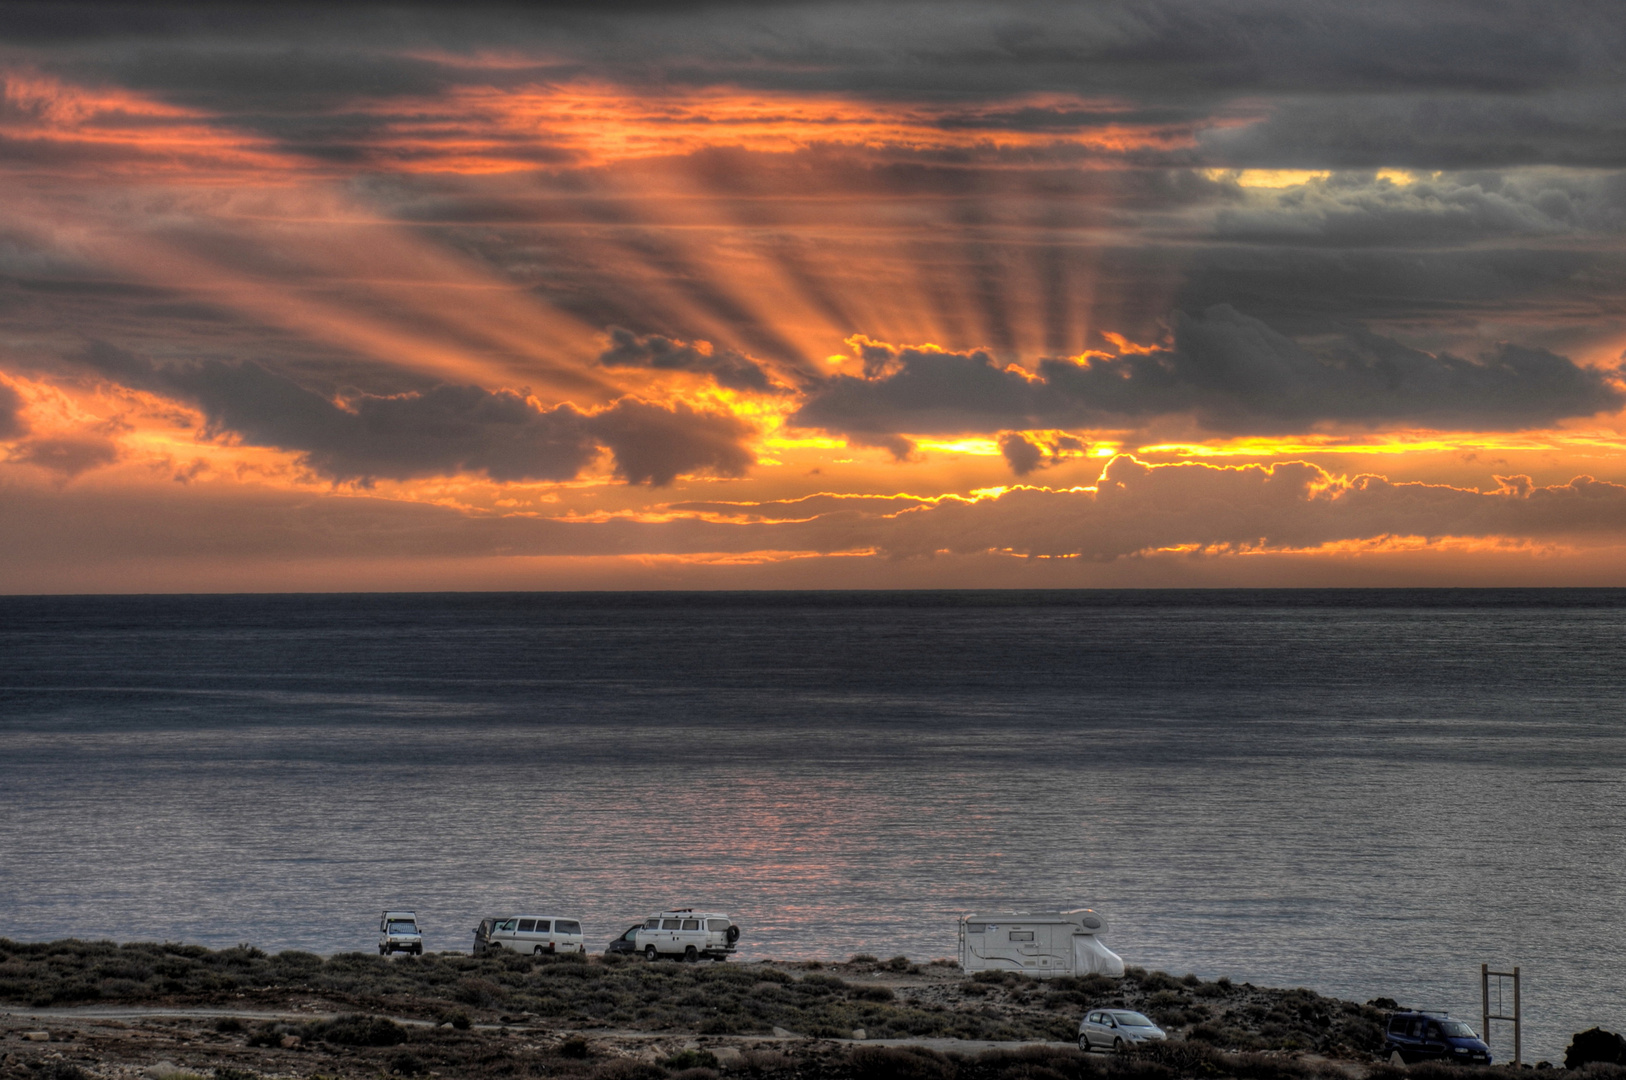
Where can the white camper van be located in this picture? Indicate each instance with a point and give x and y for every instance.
(1039, 943)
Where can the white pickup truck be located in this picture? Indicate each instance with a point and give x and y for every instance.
(687, 934)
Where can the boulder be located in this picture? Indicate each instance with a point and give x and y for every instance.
(728, 1057)
(859, 1034)
(1595, 1044)
(292, 1042)
(37, 1036)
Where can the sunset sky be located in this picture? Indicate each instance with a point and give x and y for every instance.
(1230, 292)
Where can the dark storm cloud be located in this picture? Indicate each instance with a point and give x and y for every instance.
(1305, 289)
(12, 424)
(1579, 126)
(1231, 372)
(1022, 454)
(67, 455)
(440, 431)
(729, 368)
(653, 444)
(1025, 453)
(1360, 211)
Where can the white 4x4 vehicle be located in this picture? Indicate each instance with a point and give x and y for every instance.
(398, 932)
(688, 934)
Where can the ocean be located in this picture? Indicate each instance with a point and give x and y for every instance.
(1362, 792)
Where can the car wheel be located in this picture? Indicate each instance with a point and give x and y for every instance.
(417, 950)
(690, 955)
(1084, 1043)
(383, 951)
(1117, 1046)
(650, 953)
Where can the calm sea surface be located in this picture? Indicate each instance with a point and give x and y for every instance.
(1366, 793)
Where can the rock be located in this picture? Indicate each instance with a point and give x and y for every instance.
(1396, 1059)
(1595, 1044)
(162, 1070)
(292, 1042)
(37, 1036)
(728, 1057)
(860, 1034)
(781, 1033)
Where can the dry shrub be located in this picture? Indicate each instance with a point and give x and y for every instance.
(685, 1060)
(356, 1030)
(1035, 1063)
(767, 1062)
(901, 1063)
(60, 1070)
(628, 1069)
(482, 993)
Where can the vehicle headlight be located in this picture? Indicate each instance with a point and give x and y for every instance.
(1461, 1050)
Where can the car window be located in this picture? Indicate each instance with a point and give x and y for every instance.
(403, 928)
(691, 924)
(1021, 935)
(506, 925)
(527, 925)
(631, 934)
(670, 924)
(652, 924)
(1434, 1031)
(716, 924)
(567, 926)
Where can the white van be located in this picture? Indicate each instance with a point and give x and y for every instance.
(687, 933)
(398, 932)
(1040, 943)
(537, 934)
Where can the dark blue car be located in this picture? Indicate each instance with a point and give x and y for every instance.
(626, 943)
(1434, 1036)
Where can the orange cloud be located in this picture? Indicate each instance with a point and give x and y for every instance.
(478, 129)
(57, 128)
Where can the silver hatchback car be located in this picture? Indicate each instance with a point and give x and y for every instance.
(1117, 1029)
